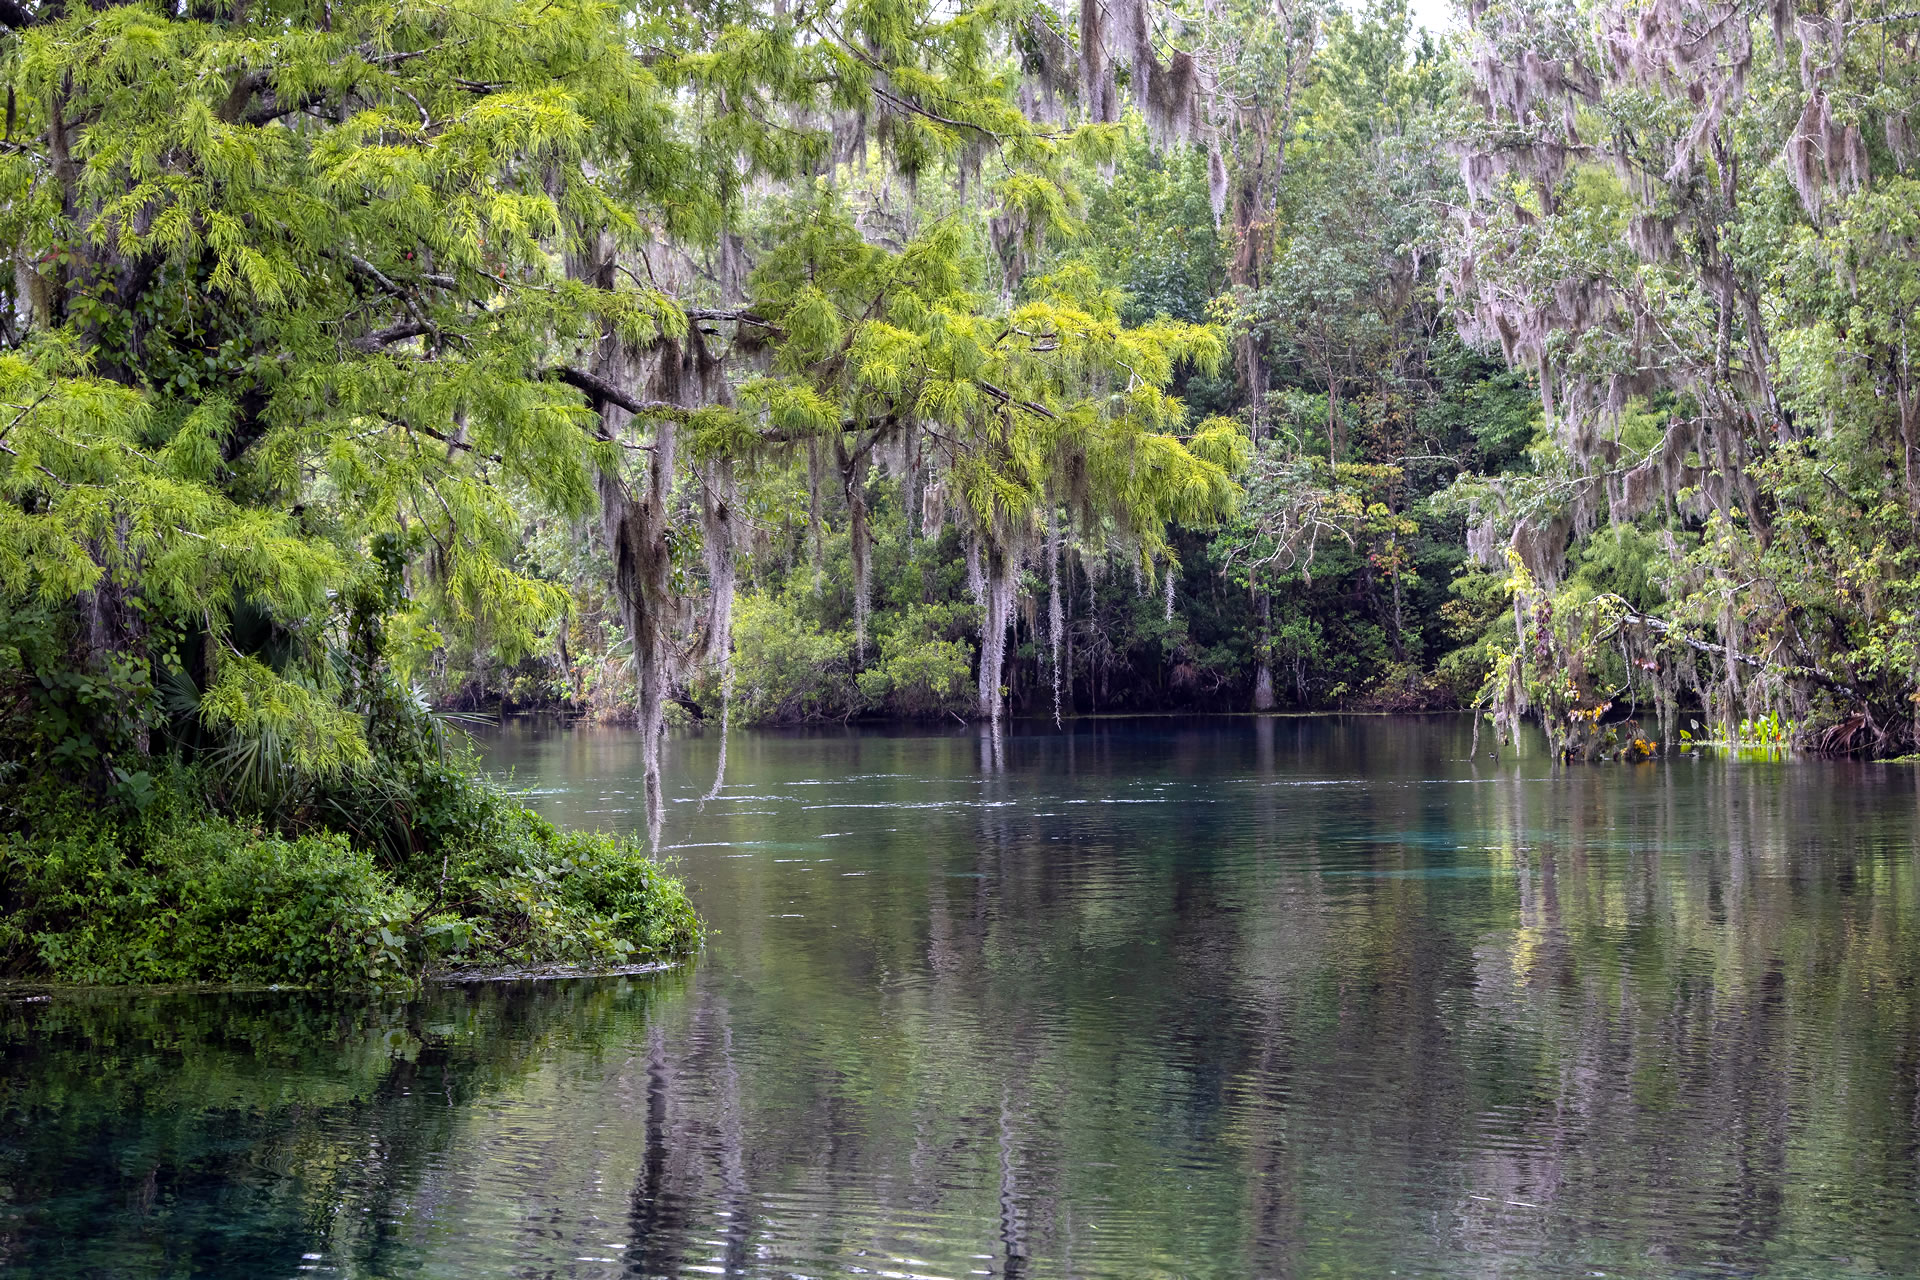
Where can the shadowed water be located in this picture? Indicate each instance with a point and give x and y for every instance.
(1242, 997)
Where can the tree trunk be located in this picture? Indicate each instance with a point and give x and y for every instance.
(816, 526)
(636, 529)
(1903, 401)
(1399, 639)
(636, 517)
(1263, 673)
(718, 494)
(853, 481)
(1336, 426)
(1056, 615)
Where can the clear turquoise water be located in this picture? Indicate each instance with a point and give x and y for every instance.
(1240, 997)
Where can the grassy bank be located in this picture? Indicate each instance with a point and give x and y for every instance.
(367, 886)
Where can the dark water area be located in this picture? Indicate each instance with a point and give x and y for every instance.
(1238, 997)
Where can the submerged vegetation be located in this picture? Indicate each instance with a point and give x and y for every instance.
(776, 362)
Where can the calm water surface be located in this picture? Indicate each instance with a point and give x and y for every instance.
(1244, 997)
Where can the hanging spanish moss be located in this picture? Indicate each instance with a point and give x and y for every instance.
(1056, 614)
(1675, 312)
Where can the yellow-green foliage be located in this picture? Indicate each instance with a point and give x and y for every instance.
(279, 264)
(297, 282)
(313, 734)
(1048, 401)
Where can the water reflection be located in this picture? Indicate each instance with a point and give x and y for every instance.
(1249, 997)
(267, 1134)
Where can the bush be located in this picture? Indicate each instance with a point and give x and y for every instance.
(531, 893)
(179, 893)
(786, 671)
(925, 668)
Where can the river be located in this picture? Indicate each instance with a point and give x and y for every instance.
(1211, 998)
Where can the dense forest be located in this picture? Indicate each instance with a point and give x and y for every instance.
(367, 364)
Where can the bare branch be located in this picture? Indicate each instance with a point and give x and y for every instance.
(1007, 398)
(604, 393)
(1630, 616)
(393, 333)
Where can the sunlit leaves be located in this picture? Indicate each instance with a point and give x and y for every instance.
(294, 285)
(278, 723)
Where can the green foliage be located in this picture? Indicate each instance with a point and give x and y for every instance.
(786, 671)
(1152, 231)
(925, 668)
(334, 327)
(515, 889)
(1740, 410)
(179, 894)
(278, 726)
(1624, 560)
(1766, 731)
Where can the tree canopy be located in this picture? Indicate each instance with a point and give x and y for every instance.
(315, 305)
(966, 356)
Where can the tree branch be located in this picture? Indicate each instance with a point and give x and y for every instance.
(739, 315)
(245, 85)
(267, 108)
(1631, 616)
(40, 467)
(413, 328)
(604, 393)
(379, 338)
(1007, 397)
(452, 442)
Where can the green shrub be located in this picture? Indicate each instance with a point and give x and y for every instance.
(530, 892)
(786, 671)
(179, 893)
(925, 667)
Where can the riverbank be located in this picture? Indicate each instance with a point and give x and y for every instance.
(448, 874)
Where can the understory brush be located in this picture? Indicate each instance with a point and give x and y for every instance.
(178, 892)
(308, 823)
